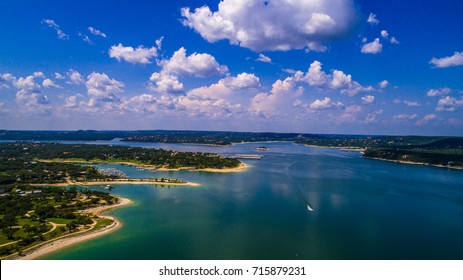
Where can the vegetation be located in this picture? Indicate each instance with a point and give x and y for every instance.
(432, 150)
(30, 216)
(33, 152)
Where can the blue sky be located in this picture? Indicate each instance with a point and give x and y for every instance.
(333, 66)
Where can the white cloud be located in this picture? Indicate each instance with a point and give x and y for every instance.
(75, 77)
(325, 104)
(196, 64)
(139, 55)
(85, 38)
(96, 32)
(274, 25)
(264, 58)
(394, 41)
(337, 80)
(4, 79)
(72, 102)
(448, 104)
(242, 81)
(165, 82)
(426, 119)
(59, 76)
(102, 89)
(51, 23)
(455, 60)
(438, 91)
(384, 84)
(384, 34)
(49, 83)
(39, 74)
(181, 65)
(368, 99)
(30, 97)
(429, 117)
(372, 19)
(158, 42)
(372, 47)
(411, 103)
(280, 101)
(227, 86)
(406, 117)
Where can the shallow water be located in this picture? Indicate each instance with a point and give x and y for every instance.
(362, 209)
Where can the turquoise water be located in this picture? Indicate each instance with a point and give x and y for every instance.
(362, 209)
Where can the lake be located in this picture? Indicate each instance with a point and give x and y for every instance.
(362, 209)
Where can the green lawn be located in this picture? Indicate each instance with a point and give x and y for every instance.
(60, 221)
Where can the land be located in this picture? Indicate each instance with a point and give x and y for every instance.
(32, 218)
(59, 243)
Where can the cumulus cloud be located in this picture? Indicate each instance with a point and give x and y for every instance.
(264, 58)
(96, 32)
(49, 83)
(325, 104)
(337, 80)
(274, 25)
(384, 84)
(139, 55)
(227, 86)
(448, 104)
(384, 34)
(449, 61)
(30, 97)
(372, 47)
(181, 65)
(394, 41)
(279, 101)
(52, 24)
(165, 82)
(4, 79)
(242, 81)
(372, 19)
(74, 77)
(214, 101)
(196, 65)
(438, 91)
(102, 89)
(368, 99)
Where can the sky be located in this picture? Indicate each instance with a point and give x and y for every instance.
(304, 66)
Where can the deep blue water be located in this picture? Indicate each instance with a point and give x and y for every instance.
(362, 209)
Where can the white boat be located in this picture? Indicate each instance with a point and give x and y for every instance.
(309, 208)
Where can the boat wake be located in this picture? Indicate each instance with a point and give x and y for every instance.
(309, 208)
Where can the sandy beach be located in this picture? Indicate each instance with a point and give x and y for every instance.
(239, 168)
(118, 182)
(242, 167)
(71, 239)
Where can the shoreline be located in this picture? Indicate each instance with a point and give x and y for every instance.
(117, 182)
(415, 163)
(360, 150)
(59, 243)
(241, 167)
